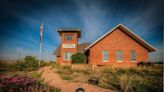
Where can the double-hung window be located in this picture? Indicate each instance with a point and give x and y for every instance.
(67, 55)
(119, 56)
(133, 55)
(105, 56)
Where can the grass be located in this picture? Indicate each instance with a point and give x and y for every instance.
(132, 79)
(11, 70)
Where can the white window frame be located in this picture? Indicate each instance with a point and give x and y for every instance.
(68, 57)
(103, 55)
(68, 37)
(131, 51)
(118, 51)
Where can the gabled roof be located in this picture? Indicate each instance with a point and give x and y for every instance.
(69, 30)
(80, 49)
(128, 32)
(57, 50)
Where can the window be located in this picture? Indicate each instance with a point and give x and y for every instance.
(105, 55)
(68, 37)
(119, 56)
(132, 55)
(67, 55)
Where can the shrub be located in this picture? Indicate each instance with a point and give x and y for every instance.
(31, 63)
(103, 82)
(66, 77)
(78, 58)
(64, 70)
(20, 65)
(3, 66)
(43, 63)
(25, 84)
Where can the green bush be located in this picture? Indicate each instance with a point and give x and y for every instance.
(44, 63)
(29, 63)
(20, 65)
(78, 58)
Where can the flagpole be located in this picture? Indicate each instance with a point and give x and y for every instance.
(41, 35)
(40, 53)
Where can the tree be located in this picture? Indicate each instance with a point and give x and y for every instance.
(78, 58)
(31, 62)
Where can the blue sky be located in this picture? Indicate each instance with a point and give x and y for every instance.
(20, 21)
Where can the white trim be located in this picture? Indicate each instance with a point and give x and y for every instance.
(127, 30)
(139, 37)
(69, 45)
(103, 54)
(101, 38)
(119, 61)
(105, 61)
(69, 56)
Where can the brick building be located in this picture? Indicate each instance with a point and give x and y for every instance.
(119, 46)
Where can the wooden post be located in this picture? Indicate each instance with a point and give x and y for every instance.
(93, 67)
(72, 66)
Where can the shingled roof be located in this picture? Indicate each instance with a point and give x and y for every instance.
(57, 51)
(81, 48)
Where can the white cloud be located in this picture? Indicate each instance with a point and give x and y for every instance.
(143, 22)
(92, 16)
(157, 55)
(19, 53)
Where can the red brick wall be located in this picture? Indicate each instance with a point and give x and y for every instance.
(117, 40)
(74, 50)
(58, 59)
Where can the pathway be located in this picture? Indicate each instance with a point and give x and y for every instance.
(54, 80)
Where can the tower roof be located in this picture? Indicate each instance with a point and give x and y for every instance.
(69, 30)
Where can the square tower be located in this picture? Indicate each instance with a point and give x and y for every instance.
(69, 44)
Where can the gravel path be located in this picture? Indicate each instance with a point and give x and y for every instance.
(54, 80)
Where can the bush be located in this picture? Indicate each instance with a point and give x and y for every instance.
(44, 63)
(78, 58)
(20, 65)
(24, 83)
(29, 63)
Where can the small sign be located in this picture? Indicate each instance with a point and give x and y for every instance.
(68, 45)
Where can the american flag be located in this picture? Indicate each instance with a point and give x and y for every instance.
(41, 32)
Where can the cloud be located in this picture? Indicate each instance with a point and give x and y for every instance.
(157, 56)
(46, 55)
(144, 20)
(91, 15)
(94, 18)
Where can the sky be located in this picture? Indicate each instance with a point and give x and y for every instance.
(20, 23)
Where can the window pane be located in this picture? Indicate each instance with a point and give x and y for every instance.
(70, 54)
(67, 55)
(119, 55)
(105, 55)
(133, 55)
(68, 36)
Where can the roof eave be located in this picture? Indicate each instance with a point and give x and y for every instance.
(149, 47)
(70, 30)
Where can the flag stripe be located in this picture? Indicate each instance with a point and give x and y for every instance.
(41, 32)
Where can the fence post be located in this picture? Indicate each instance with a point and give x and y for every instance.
(93, 67)
(72, 66)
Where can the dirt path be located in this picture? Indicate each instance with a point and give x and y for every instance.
(55, 80)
